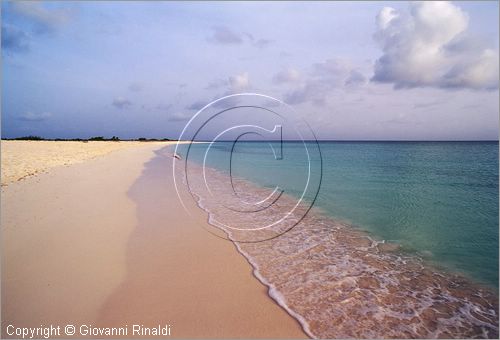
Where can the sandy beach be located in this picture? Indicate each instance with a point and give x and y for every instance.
(21, 159)
(337, 175)
(104, 242)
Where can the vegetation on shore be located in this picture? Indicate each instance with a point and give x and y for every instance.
(96, 138)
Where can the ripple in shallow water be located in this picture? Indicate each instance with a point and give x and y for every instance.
(339, 282)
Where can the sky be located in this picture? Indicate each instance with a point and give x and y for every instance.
(353, 70)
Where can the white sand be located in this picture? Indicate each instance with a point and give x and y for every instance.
(76, 249)
(21, 159)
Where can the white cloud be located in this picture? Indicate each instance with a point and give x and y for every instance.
(180, 117)
(232, 84)
(235, 84)
(313, 90)
(289, 75)
(385, 16)
(333, 71)
(239, 83)
(429, 47)
(323, 79)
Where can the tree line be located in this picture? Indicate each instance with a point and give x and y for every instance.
(96, 138)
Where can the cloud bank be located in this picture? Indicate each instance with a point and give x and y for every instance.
(429, 47)
(40, 20)
(289, 75)
(324, 77)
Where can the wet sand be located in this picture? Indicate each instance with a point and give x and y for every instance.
(339, 281)
(106, 243)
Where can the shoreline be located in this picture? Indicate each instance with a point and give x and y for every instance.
(225, 273)
(120, 247)
(428, 269)
(112, 247)
(391, 245)
(275, 295)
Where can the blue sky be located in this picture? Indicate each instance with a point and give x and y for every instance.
(354, 70)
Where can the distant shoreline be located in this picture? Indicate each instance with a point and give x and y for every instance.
(26, 158)
(252, 141)
(40, 139)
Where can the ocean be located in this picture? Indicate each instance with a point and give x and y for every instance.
(402, 238)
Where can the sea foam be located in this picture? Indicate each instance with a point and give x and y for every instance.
(340, 282)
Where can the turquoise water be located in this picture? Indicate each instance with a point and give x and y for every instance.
(436, 199)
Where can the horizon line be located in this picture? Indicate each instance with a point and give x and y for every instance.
(263, 140)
